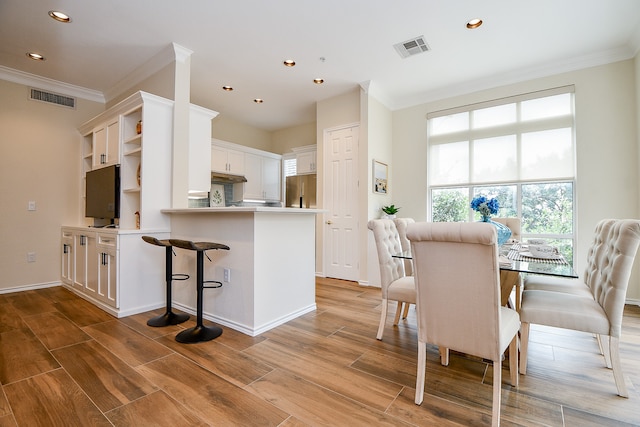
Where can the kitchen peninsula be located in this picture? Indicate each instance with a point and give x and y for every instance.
(271, 264)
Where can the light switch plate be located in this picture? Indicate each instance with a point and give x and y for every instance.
(31, 206)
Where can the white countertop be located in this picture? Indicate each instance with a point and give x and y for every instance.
(231, 209)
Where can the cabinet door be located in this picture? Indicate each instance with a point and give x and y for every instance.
(107, 279)
(106, 144)
(113, 142)
(271, 178)
(218, 159)
(99, 147)
(253, 173)
(306, 162)
(235, 159)
(67, 258)
(85, 262)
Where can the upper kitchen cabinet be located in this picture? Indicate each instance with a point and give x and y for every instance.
(263, 177)
(305, 159)
(225, 159)
(105, 143)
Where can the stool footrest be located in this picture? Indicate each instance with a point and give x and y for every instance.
(211, 284)
(180, 276)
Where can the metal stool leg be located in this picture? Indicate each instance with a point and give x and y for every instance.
(169, 317)
(199, 332)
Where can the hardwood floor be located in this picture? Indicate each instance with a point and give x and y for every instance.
(63, 362)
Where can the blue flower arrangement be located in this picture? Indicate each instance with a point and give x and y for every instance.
(486, 207)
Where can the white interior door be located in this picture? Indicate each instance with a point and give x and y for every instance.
(341, 201)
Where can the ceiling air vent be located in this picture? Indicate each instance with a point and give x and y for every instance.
(53, 98)
(412, 47)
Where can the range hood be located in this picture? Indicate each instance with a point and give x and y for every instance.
(225, 178)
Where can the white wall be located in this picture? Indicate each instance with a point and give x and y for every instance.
(228, 129)
(39, 161)
(284, 140)
(607, 147)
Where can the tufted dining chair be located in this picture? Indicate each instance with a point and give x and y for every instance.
(401, 225)
(395, 285)
(593, 304)
(511, 279)
(458, 298)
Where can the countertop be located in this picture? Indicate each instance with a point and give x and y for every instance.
(245, 209)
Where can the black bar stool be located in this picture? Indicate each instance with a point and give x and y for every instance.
(169, 317)
(199, 332)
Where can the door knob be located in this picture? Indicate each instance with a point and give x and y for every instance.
(329, 222)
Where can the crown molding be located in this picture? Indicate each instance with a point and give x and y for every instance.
(172, 52)
(51, 85)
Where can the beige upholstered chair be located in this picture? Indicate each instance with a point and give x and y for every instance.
(593, 304)
(511, 279)
(458, 298)
(396, 286)
(401, 225)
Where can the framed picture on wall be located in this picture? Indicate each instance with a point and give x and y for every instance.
(380, 171)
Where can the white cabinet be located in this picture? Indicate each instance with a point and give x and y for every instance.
(106, 144)
(138, 134)
(66, 270)
(107, 269)
(114, 269)
(226, 160)
(84, 276)
(263, 177)
(306, 162)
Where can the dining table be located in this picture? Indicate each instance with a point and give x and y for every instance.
(514, 259)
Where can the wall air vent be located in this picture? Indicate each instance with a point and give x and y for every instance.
(53, 98)
(412, 47)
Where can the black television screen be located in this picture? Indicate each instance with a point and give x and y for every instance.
(103, 193)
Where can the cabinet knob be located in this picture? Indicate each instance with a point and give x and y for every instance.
(329, 222)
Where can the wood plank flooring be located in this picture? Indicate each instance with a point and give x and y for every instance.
(63, 362)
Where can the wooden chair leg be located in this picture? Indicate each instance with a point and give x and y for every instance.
(524, 345)
(618, 376)
(497, 389)
(383, 319)
(405, 313)
(513, 361)
(444, 356)
(398, 312)
(422, 361)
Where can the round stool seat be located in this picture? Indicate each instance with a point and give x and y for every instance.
(197, 246)
(150, 239)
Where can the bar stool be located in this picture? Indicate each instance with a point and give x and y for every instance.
(199, 332)
(169, 317)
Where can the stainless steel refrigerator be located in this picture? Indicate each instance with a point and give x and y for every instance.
(301, 191)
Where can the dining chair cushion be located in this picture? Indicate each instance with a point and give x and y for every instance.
(564, 310)
(536, 282)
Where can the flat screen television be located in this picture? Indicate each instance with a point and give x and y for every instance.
(102, 201)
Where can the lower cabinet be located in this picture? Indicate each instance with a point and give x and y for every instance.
(114, 269)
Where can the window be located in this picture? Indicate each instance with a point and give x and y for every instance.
(520, 150)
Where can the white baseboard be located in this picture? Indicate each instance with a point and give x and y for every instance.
(30, 287)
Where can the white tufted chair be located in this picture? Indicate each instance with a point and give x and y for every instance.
(514, 225)
(401, 225)
(395, 284)
(594, 304)
(458, 298)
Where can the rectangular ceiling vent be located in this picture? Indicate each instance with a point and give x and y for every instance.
(53, 98)
(412, 47)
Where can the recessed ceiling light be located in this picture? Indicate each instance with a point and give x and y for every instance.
(474, 23)
(318, 81)
(258, 101)
(59, 16)
(227, 88)
(289, 63)
(36, 56)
